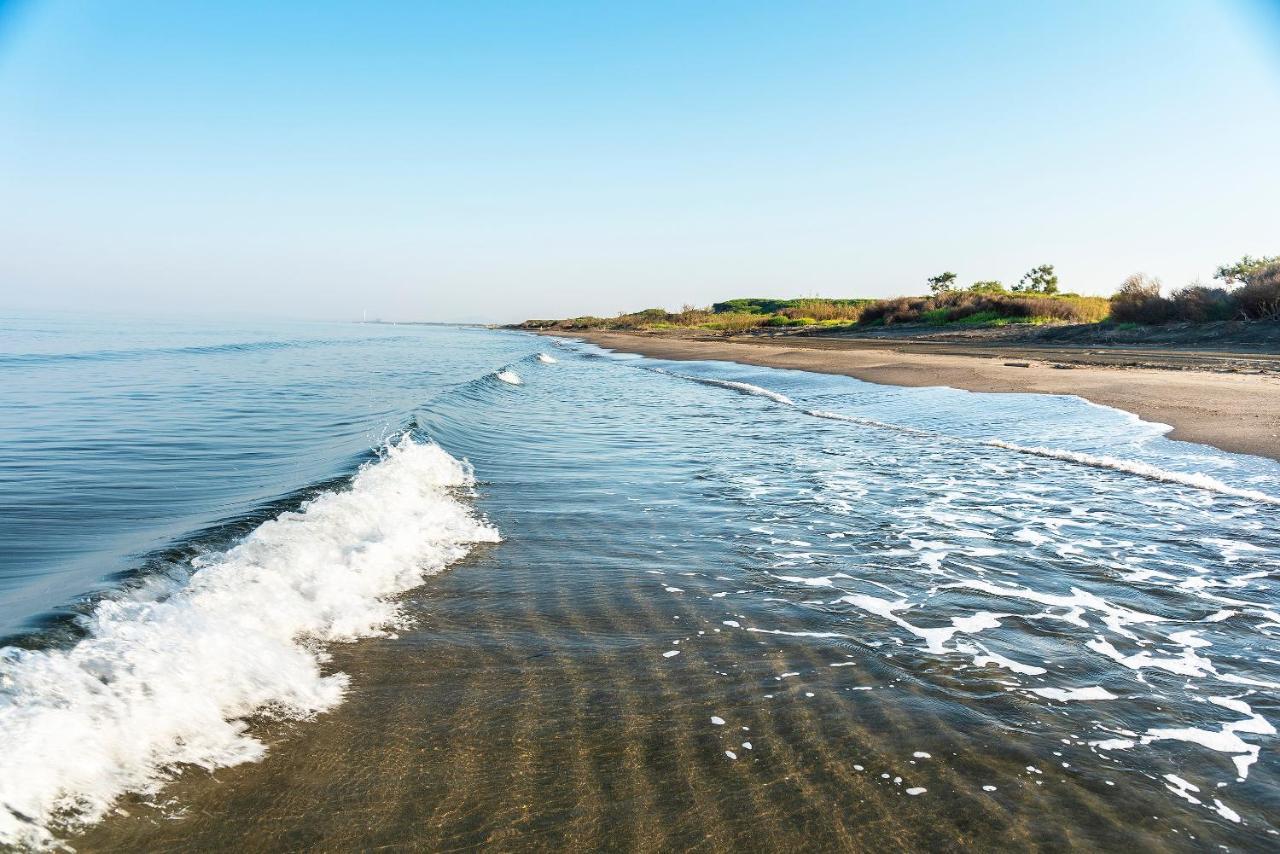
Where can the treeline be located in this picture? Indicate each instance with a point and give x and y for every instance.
(1250, 290)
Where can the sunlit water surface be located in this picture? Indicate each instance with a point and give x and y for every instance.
(731, 606)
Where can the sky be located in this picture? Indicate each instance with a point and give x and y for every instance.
(494, 161)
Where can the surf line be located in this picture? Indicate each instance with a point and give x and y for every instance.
(1195, 480)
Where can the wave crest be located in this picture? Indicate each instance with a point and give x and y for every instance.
(1150, 472)
(164, 680)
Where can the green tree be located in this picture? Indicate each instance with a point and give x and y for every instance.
(990, 286)
(1237, 273)
(942, 283)
(1038, 280)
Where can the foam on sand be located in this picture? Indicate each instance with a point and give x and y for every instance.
(169, 676)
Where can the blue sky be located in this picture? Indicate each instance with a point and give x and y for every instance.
(495, 161)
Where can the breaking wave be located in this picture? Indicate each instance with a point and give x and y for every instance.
(169, 674)
(1144, 470)
(1195, 480)
(743, 388)
(510, 377)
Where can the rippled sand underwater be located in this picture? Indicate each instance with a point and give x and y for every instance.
(738, 607)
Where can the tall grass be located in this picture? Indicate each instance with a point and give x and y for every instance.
(972, 308)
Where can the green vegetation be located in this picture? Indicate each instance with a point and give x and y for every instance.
(1038, 280)
(991, 286)
(1256, 296)
(942, 283)
(1252, 293)
(1239, 272)
(988, 307)
(821, 309)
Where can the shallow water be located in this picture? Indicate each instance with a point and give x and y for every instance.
(733, 606)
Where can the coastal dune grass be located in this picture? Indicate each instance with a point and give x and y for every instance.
(742, 315)
(989, 308)
(1252, 294)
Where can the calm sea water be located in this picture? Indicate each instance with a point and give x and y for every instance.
(256, 599)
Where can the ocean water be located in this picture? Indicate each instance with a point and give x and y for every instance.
(345, 586)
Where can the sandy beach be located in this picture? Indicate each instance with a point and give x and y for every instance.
(1225, 399)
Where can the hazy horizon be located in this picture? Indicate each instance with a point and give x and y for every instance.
(494, 162)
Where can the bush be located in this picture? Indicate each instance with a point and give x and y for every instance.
(1259, 297)
(1199, 304)
(990, 286)
(959, 306)
(815, 307)
(1138, 300)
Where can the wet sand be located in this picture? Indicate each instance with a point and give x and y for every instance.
(547, 721)
(531, 705)
(1205, 396)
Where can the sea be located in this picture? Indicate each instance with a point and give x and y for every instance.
(344, 586)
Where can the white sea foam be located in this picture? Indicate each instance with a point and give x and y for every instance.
(935, 638)
(1066, 695)
(748, 388)
(745, 388)
(546, 359)
(509, 376)
(868, 422)
(1150, 472)
(161, 681)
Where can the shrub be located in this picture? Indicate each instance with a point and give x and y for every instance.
(1138, 300)
(890, 311)
(815, 307)
(1197, 303)
(1259, 297)
(959, 306)
(748, 306)
(990, 286)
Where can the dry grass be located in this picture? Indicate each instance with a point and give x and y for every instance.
(959, 306)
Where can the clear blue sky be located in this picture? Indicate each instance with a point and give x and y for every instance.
(482, 160)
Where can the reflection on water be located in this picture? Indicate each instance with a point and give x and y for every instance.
(737, 606)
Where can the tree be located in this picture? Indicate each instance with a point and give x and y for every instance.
(989, 286)
(1038, 280)
(1239, 272)
(942, 283)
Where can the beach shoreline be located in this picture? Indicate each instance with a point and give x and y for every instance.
(1195, 392)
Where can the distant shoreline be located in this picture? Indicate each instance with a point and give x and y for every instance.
(1211, 397)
